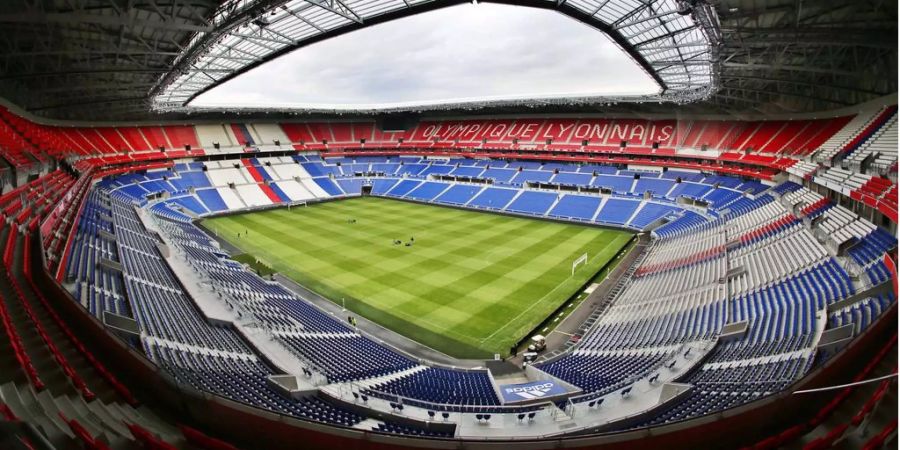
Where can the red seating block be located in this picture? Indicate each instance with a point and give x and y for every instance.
(198, 439)
(147, 438)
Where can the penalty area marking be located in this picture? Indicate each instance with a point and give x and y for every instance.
(540, 300)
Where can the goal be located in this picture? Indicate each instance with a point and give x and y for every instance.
(583, 259)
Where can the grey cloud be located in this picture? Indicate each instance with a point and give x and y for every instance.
(466, 51)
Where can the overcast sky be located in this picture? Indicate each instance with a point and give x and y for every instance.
(461, 52)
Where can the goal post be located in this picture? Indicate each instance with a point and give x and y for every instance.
(583, 259)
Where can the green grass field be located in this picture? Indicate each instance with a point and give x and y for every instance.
(473, 284)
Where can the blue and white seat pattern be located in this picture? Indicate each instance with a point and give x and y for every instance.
(696, 276)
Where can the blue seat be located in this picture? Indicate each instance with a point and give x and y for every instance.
(493, 198)
(532, 202)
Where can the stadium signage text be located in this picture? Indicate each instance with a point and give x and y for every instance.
(513, 393)
(606, 131)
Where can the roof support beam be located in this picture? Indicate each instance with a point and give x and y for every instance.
(644, 19)
(799, 82)
(84, 102)
(338, 7)
(769, 93)
(77, 18)
(82, 72)
(670, 35)
(787, 67)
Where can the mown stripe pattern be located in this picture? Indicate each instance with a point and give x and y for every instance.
(471, 285)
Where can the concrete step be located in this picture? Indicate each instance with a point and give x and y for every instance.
(27, 408)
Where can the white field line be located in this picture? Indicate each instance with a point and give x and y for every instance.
(537, 301)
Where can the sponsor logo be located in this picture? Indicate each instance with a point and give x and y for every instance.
(531, 392)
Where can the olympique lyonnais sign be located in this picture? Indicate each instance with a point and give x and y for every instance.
(633, 131)
(535, 390)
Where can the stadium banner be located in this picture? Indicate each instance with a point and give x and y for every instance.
(535, 390)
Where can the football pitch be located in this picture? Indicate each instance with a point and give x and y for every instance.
(470, 284)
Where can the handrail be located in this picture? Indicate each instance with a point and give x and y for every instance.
(628, 381)
(435, 406)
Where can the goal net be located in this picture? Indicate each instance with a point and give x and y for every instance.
(583, 259)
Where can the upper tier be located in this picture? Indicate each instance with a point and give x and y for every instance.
(860, 143)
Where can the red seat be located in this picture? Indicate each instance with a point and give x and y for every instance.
(881, 438)
(829, 439)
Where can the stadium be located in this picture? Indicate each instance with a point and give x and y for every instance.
(710, 264)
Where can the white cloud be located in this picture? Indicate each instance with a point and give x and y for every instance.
(462, 52)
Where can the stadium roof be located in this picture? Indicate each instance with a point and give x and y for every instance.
(143, 59)
(673, 47)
